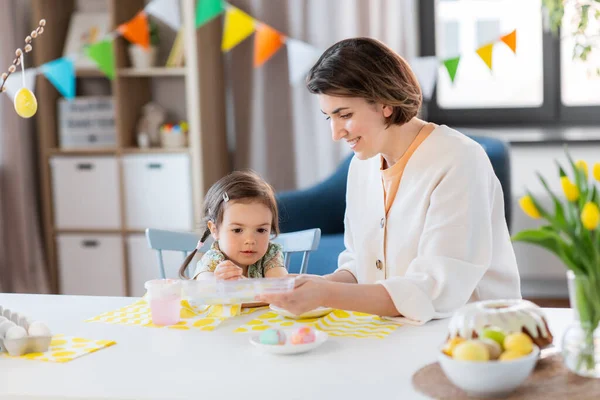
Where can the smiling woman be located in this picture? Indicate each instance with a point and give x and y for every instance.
(425, 230)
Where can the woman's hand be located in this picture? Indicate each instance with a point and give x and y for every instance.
(310, 293)
(227, 270)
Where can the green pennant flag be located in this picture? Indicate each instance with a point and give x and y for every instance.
(451, 65)
(207, 10)
(102, 53)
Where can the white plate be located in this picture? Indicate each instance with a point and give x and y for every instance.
(316, 313)
(288, 348)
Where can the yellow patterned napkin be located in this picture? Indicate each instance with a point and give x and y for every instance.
(336, 323)
(66, 348)
(204, 318)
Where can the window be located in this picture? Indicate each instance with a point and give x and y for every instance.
(515, 80)
(539, 84)
(580, 83)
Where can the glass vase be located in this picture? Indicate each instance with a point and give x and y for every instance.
(581, 340)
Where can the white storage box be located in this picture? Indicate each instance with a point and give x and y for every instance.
(86, 122)
(85, 192)
(91, 265)
(158, 192)
(143, 264)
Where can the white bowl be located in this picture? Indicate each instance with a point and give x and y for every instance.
(488, 378)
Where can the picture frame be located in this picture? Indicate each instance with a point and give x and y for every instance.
(85, 28)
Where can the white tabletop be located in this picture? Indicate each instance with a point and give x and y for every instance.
(171, 364)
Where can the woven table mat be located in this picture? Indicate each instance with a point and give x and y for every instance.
(550, 380)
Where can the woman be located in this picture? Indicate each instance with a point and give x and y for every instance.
(425, 230)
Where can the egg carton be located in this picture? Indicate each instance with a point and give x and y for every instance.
(37, 339)
(234, 292)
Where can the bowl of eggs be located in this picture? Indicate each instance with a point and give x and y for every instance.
(492, 365)
(19, 335)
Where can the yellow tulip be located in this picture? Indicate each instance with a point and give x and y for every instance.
(528, 207)
(570, 189)
(596, 171)
(582, 165)
(590, 215)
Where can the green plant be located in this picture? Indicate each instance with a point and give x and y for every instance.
(572, 233)
(584, 11)
(154, 36)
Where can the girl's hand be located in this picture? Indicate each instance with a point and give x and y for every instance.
(310, 293)
(227, 270)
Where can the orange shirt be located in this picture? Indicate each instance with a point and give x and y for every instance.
(391, 176)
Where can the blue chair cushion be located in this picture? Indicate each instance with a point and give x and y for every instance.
(324, 260)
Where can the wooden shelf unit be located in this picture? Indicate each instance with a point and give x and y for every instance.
(131, 89)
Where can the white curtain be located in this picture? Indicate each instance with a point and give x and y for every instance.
(276, 128)
(22, 266)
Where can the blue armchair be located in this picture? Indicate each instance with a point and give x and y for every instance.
(323, 206)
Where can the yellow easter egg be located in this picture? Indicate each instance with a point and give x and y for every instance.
(25, 103)
(518, 342)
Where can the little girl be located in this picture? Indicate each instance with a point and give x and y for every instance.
(240, 213)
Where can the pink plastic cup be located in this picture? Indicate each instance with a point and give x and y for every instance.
(164, 297)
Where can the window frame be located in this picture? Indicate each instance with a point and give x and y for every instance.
(551, 112)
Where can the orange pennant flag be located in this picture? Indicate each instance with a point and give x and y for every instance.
(485, 52)
(511, 40)
(267, 41)
(136, 30)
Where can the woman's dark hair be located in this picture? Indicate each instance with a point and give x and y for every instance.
(364, 67)
(241, 187)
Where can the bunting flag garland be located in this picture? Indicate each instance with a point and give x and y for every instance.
(238, 26)
(266, 43)
(136, 30)
(102, 54)
(485, 52)
(206, 10)
(426, 70)
(301, 56)
(61, 73)
(511, 40)
(167, 11)
(451, 65)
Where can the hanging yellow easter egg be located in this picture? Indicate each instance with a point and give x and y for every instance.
(25, 103)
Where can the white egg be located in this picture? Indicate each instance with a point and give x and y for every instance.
(5, 326)
(6, 313)
(14, 317)
(16, 332)
(38, 328)
(2, 319)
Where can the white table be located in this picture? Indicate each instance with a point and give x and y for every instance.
(171, 364)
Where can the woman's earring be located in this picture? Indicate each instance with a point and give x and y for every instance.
(225, 197)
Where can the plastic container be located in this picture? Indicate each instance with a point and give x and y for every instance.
(164, 297)
(24, 345)
(234, 292)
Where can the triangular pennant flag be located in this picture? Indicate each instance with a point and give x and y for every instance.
(238, 26)
(15, 82)
(267, 42)
(136, 30)
(206, 10)
(485, 52)
(451, 65)
(61, 73)
(301, 57)
(426, 70)
(511, 40)
(102, 54)
(167, 11)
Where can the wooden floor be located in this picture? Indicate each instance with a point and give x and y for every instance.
(551, 303)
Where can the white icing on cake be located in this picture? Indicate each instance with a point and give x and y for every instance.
(508, 315)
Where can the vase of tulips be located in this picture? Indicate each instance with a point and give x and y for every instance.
(571, 231)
